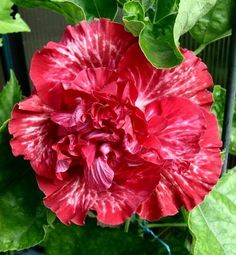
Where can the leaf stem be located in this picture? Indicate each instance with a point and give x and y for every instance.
(127, 223)
(155, 14)
(164, 225)
(200, 49)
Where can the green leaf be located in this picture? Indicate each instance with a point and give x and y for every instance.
(134, 17)
(189, 12)
(92, 239)
(213, 222)
(155, 39)
(162, 10)
(99, 8)
(158, 44)
(148, 4)
(0, 42)
(159, 30)
(218, 106)
(8, 24)
(23, 218)
(71, 11)
(75, 10)
(9, 96)
(216, 24)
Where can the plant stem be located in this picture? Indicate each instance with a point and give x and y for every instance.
(127, 223)
(164, 225)
(200, 49)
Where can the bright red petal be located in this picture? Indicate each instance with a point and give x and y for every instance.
(186, 183)
(95, 79)
(182, 124)
(33, 134)
(99, 175)
(101, 43)
(71, 199)
(190, 79)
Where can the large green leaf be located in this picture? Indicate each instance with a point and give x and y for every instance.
(72, 12)
(213, 222)
(215, 25)
(10, 95)
(75, 10)
(8, 24)
(23, 218)
(189, 12)
(92, 239)
(158, 44)
(159, 30)
(156, 34)
(218, 106)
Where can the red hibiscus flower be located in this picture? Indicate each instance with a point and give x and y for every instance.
(106, 131)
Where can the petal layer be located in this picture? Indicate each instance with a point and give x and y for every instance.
(175, 127)
(190, 79)
(71, 199)
(34, 134)
(186, 183)
(101, 43)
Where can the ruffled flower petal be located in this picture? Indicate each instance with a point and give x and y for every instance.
(99, 175)
(71, 198)
(190, 79)
(107, 132)
(175, 126)
(99, 44)
(186, 183)
(34, 134)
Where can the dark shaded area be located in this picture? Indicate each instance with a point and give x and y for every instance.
(13, 57)
(230, 96)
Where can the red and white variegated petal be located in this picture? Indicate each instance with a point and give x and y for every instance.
(95, 79)
(33, 134)
(133, 182)
(187, 183)
(175, 126)
(189, 79)
(70, 119)
(101, 43)
(99, 175)
(71, 199)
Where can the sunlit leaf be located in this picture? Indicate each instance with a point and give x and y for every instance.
(159, 25)
(9, 96)
(213, 222)
(216, 24)
(75, 10)
(8, 24)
